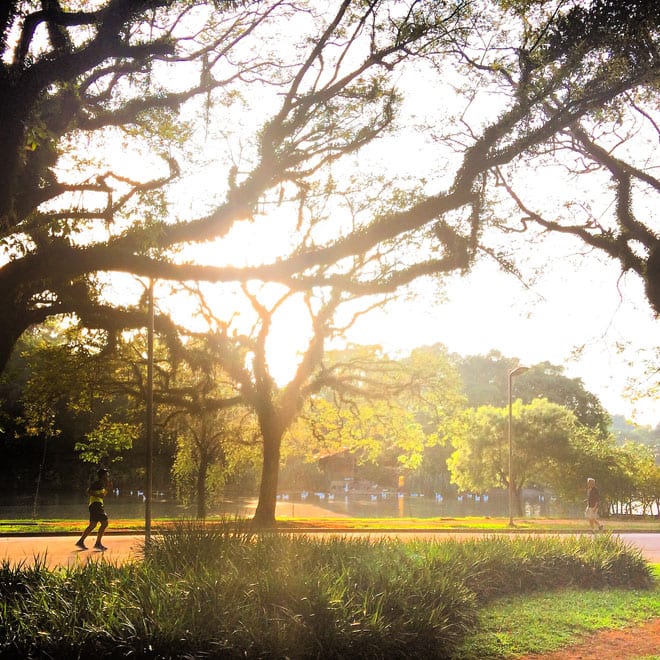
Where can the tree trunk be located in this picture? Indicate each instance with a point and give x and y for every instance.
(201, 487)
(12, 325)
(517, 492)
(264, 516)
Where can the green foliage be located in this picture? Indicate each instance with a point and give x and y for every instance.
(388, 412)
(527, 564)
(108, 441)
(625, 474)
(485, 378)
(624, 431)
(542, 432)
(54, 379)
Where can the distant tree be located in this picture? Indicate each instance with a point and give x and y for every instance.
(195, 402)
(644, 384)
(626, 474)
(387, 414)
(435, 398)
(383, 437)
(591, 455)
(435, 394)
(625, 431)
(485, 379)
(649, 482)
(542, 432)
(209, 443)
(646, 478)
(548, 381)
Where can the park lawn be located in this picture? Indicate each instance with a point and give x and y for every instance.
(477, 523)
(285, 524)
(548, 621)
(55, 526)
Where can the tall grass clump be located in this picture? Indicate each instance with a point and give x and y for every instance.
(68, 613)
(500, 565)
(278, 596)
(225, 591)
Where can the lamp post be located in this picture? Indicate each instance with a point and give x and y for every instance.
(149, 414)
(512, 374)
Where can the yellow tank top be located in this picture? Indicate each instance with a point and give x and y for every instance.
(96, 495)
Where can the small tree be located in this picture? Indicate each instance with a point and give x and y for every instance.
(210, 443)
(542, 433)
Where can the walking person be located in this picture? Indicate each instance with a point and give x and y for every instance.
(593, 502)
(97, 515)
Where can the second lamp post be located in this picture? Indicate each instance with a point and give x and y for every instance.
(514, 372)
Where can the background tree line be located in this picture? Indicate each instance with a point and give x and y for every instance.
(437, 419)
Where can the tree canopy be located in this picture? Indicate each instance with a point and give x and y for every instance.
(544, 435)
(485, 378)
(150, 76)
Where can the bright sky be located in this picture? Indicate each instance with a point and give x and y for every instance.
(580, 313)
(596, 325)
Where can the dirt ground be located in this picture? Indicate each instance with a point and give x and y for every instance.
(627, 644)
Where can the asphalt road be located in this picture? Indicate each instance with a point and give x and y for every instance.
(55, 551)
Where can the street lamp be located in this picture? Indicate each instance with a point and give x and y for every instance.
(149, 413)
(512, 374)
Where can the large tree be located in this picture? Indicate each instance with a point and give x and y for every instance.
(564, 74)
(612, 147)
(76, 83)
(75, 80)
(277, 405)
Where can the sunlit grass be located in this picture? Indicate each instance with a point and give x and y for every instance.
(478, 523)
(541, 623)
(75, 526)
(467, 524)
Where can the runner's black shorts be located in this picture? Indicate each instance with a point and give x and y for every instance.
(96, 513)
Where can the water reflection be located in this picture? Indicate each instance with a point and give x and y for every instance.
(299, 505)
(401, 506)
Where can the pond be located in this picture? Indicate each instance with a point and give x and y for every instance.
(289, 505)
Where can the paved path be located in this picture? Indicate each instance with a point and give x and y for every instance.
(61, 550)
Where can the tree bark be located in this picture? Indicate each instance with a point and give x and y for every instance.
(518, 497)
(201, 487)
(265, 514)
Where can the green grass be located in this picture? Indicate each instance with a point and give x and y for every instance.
(74, 526)
(223, 591)
(475, 523)
(467, 524)
(541, 623)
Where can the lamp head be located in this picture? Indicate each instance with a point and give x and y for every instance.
(518, 370)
